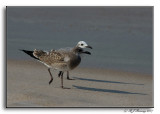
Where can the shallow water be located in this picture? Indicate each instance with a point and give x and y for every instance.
(121, 37)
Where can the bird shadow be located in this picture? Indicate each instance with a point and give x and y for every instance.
(105, 81)
(106, 90)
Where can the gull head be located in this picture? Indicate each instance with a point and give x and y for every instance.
(83, 44)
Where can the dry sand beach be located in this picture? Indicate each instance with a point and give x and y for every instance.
(27, 86)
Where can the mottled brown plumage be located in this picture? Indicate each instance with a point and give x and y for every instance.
(59, 59)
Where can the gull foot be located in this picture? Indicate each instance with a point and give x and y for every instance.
(70, 78)
(65, 87)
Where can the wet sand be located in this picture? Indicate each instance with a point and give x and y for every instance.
(27, 86)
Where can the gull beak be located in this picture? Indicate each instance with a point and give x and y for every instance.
(86, 52)
(89, 47)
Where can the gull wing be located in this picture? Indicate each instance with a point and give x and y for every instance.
(49, 57)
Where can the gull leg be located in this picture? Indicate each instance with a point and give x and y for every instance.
(61, 79)
(51, 76)
(68, 76)
(60, 73)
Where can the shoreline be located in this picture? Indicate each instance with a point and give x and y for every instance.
(34, 62)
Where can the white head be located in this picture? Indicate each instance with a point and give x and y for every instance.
(83, 44)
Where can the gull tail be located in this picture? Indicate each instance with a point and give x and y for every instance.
(30, 53)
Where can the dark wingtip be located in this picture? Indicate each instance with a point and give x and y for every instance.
(22, 50)
(30, 53)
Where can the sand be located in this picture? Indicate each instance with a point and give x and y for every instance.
(27, 86)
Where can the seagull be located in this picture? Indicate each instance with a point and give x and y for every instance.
(63, 60)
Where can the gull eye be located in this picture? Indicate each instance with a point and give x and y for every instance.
(81, 44)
